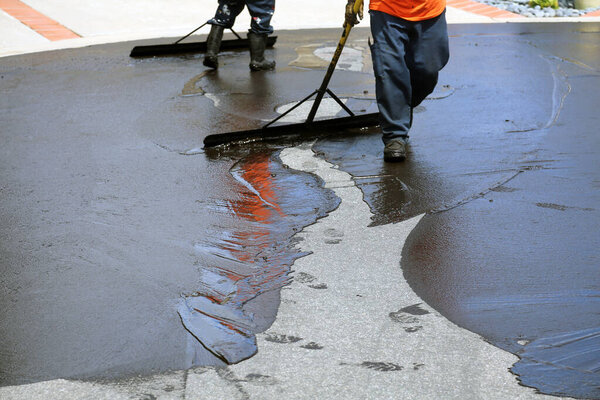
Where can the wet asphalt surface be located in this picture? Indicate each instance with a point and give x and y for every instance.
(509, 180)
(112, 214)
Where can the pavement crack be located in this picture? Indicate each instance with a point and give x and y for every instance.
(167, 148)
(483, 193)
(562, 88)
(185, 383)
(479, 195)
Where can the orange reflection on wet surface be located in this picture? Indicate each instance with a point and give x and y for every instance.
(254, 257)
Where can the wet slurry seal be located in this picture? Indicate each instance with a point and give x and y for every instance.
(571, 360)
(111, 199)
(116, 218)
(506, 169)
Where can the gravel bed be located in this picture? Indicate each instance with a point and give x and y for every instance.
(565, 9)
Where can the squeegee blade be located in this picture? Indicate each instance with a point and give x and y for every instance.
(303, 130)
(192, 47)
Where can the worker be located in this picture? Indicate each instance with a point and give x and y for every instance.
(410, 47)
(261, 12)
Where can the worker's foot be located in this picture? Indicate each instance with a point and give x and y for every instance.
(395, 151)
(258, 44)
(213, 44)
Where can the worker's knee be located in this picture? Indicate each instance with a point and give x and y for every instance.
(422, 86)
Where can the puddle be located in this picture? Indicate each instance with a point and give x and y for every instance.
(243, 267)
(192, 87)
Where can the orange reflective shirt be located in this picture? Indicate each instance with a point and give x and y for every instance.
(412, 10)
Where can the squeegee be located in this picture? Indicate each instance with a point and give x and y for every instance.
(193, 47)
(310, 127)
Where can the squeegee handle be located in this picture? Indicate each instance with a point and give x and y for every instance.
(336, 56)
(189, 34)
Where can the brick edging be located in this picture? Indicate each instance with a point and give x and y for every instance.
(43, 25)
(494, 12)
(481, 9)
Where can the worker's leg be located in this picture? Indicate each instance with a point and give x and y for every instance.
(225, 16)
(261, 12)
(227, 11)
(392, 77)
(427, 54)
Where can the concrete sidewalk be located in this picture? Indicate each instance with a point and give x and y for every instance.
(116, 21)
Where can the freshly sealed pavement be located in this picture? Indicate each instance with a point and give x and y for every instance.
(422, 278)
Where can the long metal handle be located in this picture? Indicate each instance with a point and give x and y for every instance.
(202, 26)
(336, 56)
(189, 34)
(235, 33)
(290, 110)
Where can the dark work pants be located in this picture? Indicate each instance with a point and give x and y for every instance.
(261, 12)
(407, 57)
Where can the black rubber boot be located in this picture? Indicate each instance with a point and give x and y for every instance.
(258, 44)
(213, 44)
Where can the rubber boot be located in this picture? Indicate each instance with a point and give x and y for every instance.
(258, 44)
(213, 44)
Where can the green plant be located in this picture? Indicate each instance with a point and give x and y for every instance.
(544, 3)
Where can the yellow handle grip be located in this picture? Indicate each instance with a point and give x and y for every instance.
(357, 5)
